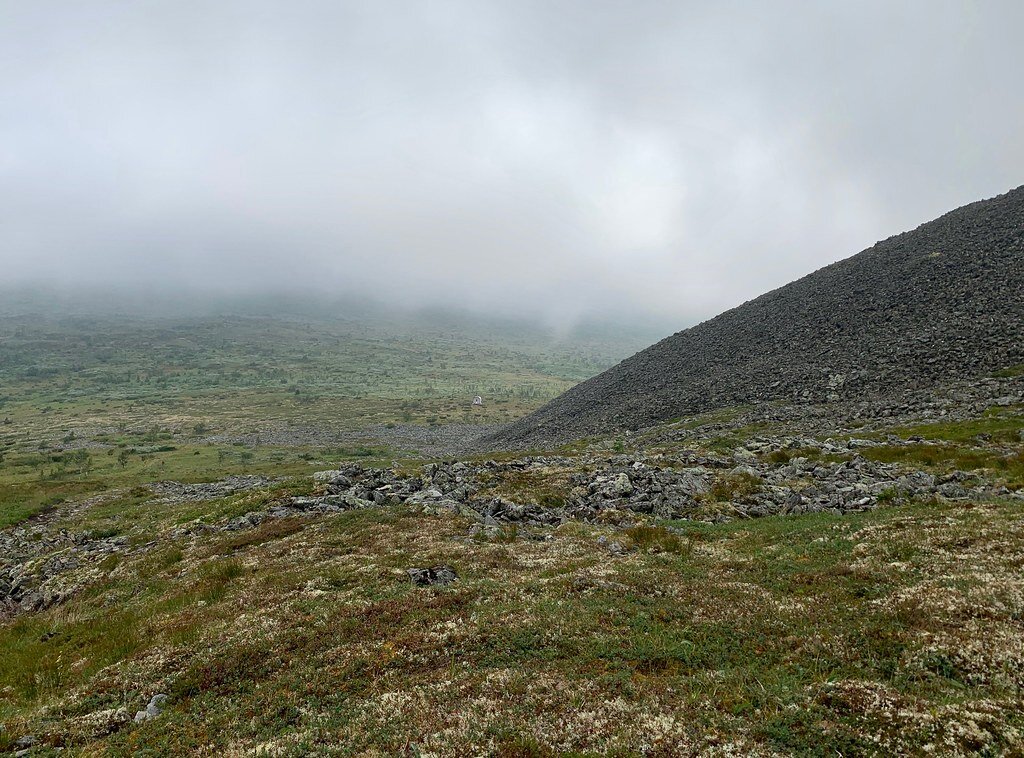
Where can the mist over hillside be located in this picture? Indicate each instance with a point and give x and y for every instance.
(940, 303)
(148, 303)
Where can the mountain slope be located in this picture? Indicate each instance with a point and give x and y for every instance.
(940, 303)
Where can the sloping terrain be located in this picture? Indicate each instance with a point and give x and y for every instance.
(90, 401)
(940, 303)
(624, 597)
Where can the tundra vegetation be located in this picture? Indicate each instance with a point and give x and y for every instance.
(163, 535)
(93, 402)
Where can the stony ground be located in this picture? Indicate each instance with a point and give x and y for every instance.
(943, 302)
(758, 581)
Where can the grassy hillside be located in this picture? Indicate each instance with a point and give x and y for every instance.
(892, 631)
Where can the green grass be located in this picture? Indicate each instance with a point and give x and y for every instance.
(44, 655)
(788, 454)
(734, 485)
(20, 500)
(725, 443)
(548, 489)
(24, 492)
(268, 531)
(719, 416)
(992, 443)
(743, 631)
(656, 539)
(1006, 467)
(1010, 372)
(998, 425)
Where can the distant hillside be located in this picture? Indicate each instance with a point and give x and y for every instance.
(943, 302)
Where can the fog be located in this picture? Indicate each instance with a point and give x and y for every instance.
(647, 160)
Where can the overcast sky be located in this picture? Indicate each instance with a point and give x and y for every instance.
(553, 157)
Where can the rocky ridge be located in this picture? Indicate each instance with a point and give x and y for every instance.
(763, 460)
(942, 303)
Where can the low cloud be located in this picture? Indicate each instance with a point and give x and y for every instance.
(557, 159)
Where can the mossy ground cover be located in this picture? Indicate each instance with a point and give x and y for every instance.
(992, 443)
(998, 424)
(33, 482)
(892, 630)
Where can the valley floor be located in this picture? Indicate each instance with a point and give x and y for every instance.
(759, 581)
